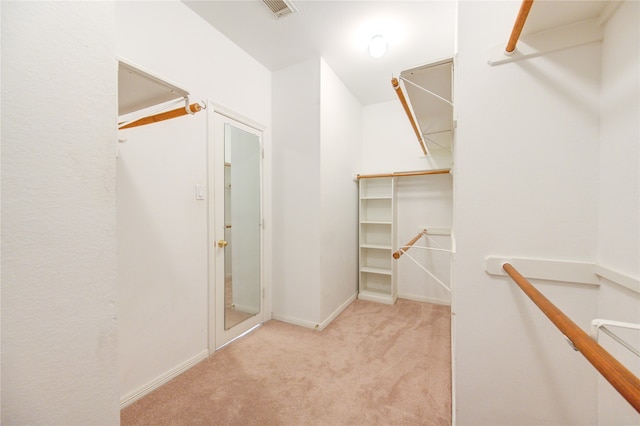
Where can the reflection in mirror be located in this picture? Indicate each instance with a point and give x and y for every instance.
(242, 225)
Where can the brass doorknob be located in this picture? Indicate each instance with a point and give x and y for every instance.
(222, 243)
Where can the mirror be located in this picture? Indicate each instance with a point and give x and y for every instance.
(242, 219)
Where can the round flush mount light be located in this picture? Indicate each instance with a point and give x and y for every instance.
(377, 46)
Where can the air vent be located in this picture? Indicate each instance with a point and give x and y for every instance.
(280, 8)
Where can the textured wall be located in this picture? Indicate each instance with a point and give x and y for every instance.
(59, 334)
(162, 228)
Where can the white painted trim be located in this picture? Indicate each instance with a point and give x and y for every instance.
(162, 379)
(211, 254)
(294, 321)
(548, 41)
(545, 269)
(609, 10)
(377, 297)
(337, 312)
(622, 280)
(216, 316)
(562, 270)
(426, 299)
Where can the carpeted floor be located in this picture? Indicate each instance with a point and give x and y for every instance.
(374, 365)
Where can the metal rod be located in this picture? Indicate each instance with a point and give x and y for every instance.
(611, 334)
(428, 272)
(425, 248)
(601, 324)
(426, 90)
(525, 7)
(623, 380)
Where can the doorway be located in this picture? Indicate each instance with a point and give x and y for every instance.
(236, 228)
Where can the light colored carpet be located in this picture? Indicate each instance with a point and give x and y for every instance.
(374, 365)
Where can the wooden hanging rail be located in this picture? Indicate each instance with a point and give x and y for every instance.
(178, 112)
(400, 174)
(406, 247)
(623, 380)
(525, 7)
(396, 86)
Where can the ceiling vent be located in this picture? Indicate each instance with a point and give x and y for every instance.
(280, 8)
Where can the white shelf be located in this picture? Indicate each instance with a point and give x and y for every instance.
(433, 114)
(377, 271)
(376, 246)
(139, 89)
(375, 198)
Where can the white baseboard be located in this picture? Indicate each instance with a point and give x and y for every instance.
(417, 298)
(311, 324)
(338, 311)
(294, 321)
(161, 380)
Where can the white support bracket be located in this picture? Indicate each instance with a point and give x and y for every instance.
(545, 269)
(601, 324)
(561, 270)
(548, 41)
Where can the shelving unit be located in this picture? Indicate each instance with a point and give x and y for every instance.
(139, 89)
(430, 93)
(377, 281)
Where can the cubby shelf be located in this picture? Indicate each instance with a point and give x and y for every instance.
(377, 272)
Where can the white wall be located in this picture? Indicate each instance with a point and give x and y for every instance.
(316, 134)
(424, 201)
(162, 229)
(59, 331)
(296, 193)
(526, 185)
(619, 227)
(341, 141)
(619, 192)
(390, 145)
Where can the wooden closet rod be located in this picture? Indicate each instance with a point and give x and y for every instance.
(178, 112)
(400, 174)
(525, 7)
(623, 380)
(396, 86)
(397, 254)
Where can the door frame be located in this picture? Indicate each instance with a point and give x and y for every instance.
(216, 231)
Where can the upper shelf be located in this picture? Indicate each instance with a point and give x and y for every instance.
(139, 89)
(433, 114)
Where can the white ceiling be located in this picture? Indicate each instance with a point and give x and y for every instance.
(418, 32)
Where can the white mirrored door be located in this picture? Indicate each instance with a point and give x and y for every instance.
(237, 221)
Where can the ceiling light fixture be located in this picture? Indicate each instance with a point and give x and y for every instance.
(377, 46)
